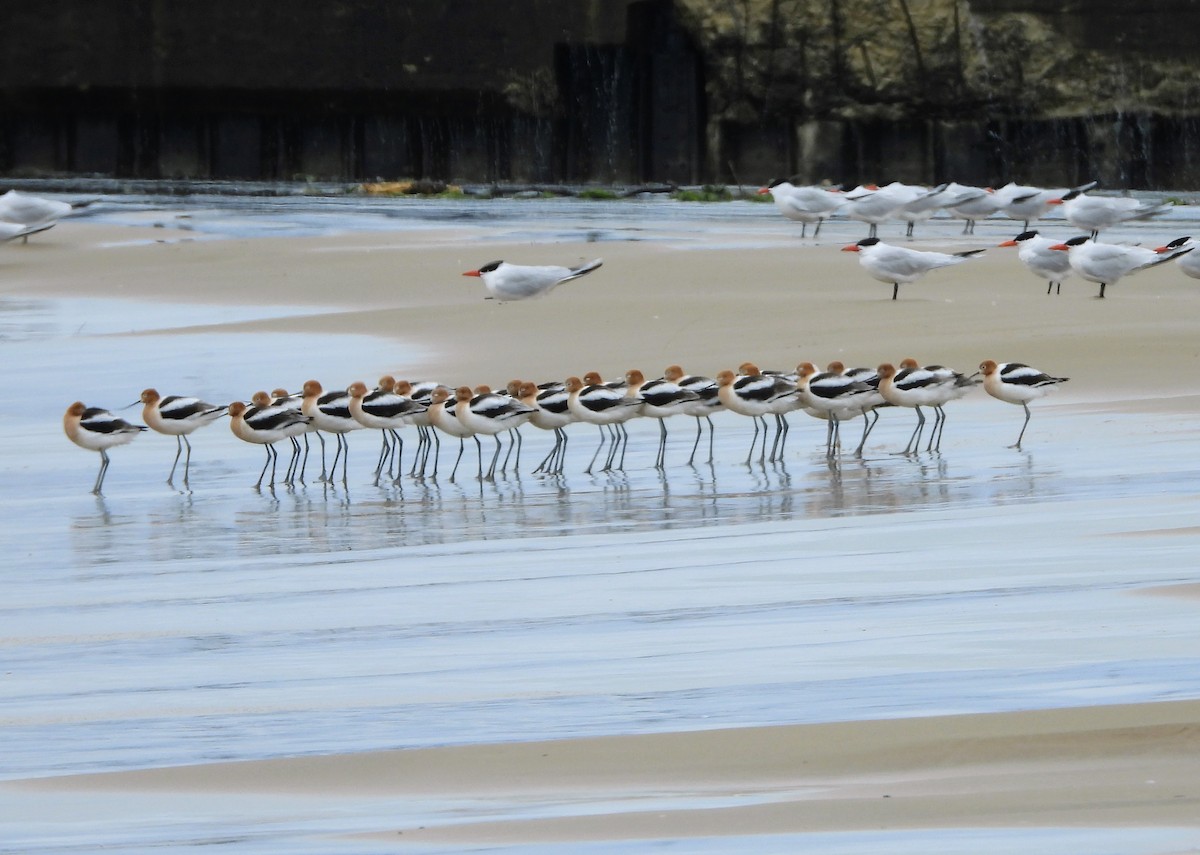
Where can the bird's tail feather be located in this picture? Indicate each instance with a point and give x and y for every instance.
(1149, 211)
(584, 269)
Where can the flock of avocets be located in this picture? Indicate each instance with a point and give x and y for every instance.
(834, 395)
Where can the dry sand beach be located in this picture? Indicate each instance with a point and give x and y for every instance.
(939, 654)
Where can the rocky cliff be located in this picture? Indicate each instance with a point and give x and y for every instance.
(981, 91)
(856, 59)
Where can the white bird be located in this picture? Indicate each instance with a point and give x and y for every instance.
(874, 205)
(804, 204)
(1181, 248)
(1108, 263)
(506, 281)
(978, 205)
(97, 430)
(1032, 203)
(32, 210)
(929, 202)
(898, 264)
(12, 231)
(1096, 213)
(1016, 383)
(1045, 263)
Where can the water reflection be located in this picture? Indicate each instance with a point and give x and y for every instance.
(230, 518)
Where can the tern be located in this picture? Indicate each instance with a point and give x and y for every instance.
(506, 281)
(804, 204)
(12, 231)
(931, 201)
(1036, 254)
(874, 205)
(1190, 262)
(1032, 203)
(1108, 263)
(898, 264)
(979, 204)
(1093, 214)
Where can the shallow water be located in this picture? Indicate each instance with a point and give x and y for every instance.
(656, 217)
(154, 627)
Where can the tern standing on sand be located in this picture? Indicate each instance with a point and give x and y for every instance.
(897, 264)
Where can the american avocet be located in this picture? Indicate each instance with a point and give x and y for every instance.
(780, 406)
(1016, 383)
(754, 395)
(330, 413)
(489, 414)
(281, 397)
(385, 411)
(837, 396)
(264, 424)
(604, 407)
(930, 386)
(1035, 253)
(442, 417)
(593, 378)
(872, 403)
(97, 430)
(802, 204)
(900, 265)
(506, 281)
(513, 390)
(618, 434)
(292, 402)
(955, 384)
(551, 413)
(1093, 214)
(703, 407)
(661, 400)
(421, 391)
(178, 416)
(1108, 263)
(1182, 248)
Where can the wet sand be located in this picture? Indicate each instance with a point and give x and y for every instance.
(1098, 766)
(653, 303)
(1095, 765)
